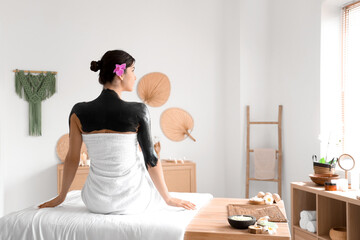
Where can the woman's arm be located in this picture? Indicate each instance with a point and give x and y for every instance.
(144, 136)
(71, 163)
(157, 175)
(151, 160)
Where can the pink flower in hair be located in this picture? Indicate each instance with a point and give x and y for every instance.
(119, 69)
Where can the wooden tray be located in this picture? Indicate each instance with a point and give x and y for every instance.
(258, 211)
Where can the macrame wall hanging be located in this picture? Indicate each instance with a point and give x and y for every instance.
(34, 87)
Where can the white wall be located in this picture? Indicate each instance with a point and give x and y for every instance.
(295, 65)
(331, 34)
(2, 116)
(254, 83)
(280, 64)
(182, 39)
(231, 82)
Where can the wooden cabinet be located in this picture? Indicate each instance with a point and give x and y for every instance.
(333, 209)
(180, 177)
(79, 179)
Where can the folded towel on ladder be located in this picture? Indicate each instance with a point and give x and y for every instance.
(264, 162)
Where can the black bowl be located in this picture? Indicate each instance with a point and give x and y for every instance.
(241, 224)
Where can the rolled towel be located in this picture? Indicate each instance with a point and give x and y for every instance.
(308, 215)
(303, 223)
(311, 226)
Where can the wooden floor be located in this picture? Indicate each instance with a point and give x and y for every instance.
(211, 223)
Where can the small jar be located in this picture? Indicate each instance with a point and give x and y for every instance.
(329, 186)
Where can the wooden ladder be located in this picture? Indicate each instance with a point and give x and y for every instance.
(248, 150)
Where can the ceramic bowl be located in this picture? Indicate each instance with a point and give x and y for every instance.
(241, 224)
(338, 233)
(320, 179)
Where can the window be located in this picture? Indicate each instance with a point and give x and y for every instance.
(350, 79)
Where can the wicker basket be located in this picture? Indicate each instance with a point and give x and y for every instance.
(322, 168)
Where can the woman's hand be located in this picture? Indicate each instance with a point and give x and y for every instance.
(157, 148)
(175, 202)
(52, 203)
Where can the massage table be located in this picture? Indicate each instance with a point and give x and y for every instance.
(71, 220)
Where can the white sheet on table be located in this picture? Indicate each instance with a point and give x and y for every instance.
(72, 220)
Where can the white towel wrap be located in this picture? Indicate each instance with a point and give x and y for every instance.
(118, 182)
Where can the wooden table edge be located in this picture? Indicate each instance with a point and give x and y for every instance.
(212, 235)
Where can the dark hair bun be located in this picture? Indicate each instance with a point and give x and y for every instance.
(108, 62)
(95, 66)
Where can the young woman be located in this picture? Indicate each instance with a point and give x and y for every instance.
(120, 180)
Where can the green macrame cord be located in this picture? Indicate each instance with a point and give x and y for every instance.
(34, 89)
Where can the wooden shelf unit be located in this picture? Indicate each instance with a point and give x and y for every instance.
(333, 209)
(179, 177)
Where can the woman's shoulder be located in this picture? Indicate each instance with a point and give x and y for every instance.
(142, 111)
(140, 106)
(138, 109)
(78, 107)
(83, 108)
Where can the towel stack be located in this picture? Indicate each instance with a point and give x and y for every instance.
(308, 220)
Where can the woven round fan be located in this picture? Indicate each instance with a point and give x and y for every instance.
(176, 124)
(154, 89)
(62, 147)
